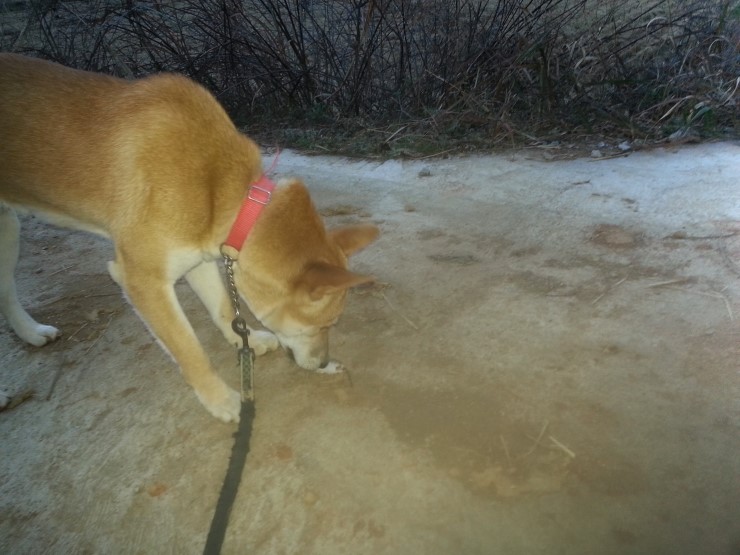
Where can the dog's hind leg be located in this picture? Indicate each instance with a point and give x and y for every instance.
(24, 326)
(206, 281)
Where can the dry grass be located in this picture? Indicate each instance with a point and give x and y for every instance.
(418, 77)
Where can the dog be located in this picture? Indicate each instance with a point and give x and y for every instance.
(157, 166)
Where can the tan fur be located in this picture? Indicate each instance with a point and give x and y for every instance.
(157, 165)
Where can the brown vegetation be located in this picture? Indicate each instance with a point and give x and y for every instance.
(418, 76)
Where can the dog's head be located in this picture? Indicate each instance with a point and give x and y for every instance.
(293, 273)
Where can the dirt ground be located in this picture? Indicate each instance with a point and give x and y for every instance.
(549, 363)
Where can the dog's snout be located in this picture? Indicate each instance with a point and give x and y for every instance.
(307, 352)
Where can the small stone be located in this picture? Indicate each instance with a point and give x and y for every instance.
(283, 452)
(156, 490)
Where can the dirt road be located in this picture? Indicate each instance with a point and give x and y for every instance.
(549, 363)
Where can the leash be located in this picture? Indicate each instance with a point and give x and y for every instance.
(243, 433)
(258, 196)
(233, 478)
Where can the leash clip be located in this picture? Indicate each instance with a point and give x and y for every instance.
(246, 359)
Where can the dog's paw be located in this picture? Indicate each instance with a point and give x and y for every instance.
(333, 367)
(38, 334)
(263, 342)
(221, 401)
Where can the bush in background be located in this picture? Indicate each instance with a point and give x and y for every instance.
(402, 74)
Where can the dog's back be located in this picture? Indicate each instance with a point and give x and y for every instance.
(70, 134)
(50, 144)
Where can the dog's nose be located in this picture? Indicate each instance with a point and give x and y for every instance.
(324, 364)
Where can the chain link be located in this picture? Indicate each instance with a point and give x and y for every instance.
(239, 325)
(233, 293)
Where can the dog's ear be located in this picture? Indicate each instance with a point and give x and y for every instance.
(353, 238)
(319, 279)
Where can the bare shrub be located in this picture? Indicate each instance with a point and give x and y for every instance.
(498, 68)
(667, 62)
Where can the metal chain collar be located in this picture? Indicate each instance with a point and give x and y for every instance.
(231, 285)
(239, 325)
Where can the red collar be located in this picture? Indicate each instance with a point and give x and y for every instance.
(257, 198)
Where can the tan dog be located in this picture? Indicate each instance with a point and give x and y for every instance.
(158, 166)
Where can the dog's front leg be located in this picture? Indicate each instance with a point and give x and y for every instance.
(205, 279)
(153, 296)
(24, 326)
